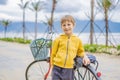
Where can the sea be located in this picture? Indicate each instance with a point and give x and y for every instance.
(98, 38)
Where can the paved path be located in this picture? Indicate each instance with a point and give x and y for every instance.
(109, 66)
(14, 58)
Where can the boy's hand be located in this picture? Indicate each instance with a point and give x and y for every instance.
(86, 60)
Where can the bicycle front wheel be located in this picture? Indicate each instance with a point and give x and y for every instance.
(37, 70)
(86, 73)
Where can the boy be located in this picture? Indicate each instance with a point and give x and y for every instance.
(64, 49)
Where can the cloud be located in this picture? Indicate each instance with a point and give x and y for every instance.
(6, 16)
(77, 8)
(3, 2)
(115, 17)
(68, 6)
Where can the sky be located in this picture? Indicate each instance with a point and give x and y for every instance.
(80, 9)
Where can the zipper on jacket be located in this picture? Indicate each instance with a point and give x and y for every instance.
(66, 51)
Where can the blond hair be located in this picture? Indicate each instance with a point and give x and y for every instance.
(68, 18)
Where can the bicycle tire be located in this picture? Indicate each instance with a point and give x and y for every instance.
(86, 73)
(37, 70)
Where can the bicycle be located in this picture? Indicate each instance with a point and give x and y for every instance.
(39, 69)
(88, 72)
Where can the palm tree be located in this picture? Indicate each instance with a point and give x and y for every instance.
(106, 6)
(5, 23)
(23, 6)
(36, 7)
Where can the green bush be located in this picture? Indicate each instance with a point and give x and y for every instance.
(90, 48)
(118, 47)
(97, 48)
(86, 46)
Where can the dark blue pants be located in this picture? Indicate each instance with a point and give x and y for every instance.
(59, 73)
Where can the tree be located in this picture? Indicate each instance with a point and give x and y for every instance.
(36, 7)
(23, 6)
(106, 6)
(5, 23)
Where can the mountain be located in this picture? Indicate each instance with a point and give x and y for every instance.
(81, 26)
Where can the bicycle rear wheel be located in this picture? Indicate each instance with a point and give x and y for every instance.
(86, 73)
(37, 70)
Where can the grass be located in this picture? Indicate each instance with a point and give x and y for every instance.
(88, 48)
(18, 40)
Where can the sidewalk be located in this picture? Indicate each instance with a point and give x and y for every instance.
(109, 65)
(14, 59)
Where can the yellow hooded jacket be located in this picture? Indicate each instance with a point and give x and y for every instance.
(65, 49)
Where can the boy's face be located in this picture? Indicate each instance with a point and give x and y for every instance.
(67, 27)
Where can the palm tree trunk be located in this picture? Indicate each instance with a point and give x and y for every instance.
(92, 22)
(106, 25)
(5, 31)
(52, 14)
(35, 24)
(24, 24)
